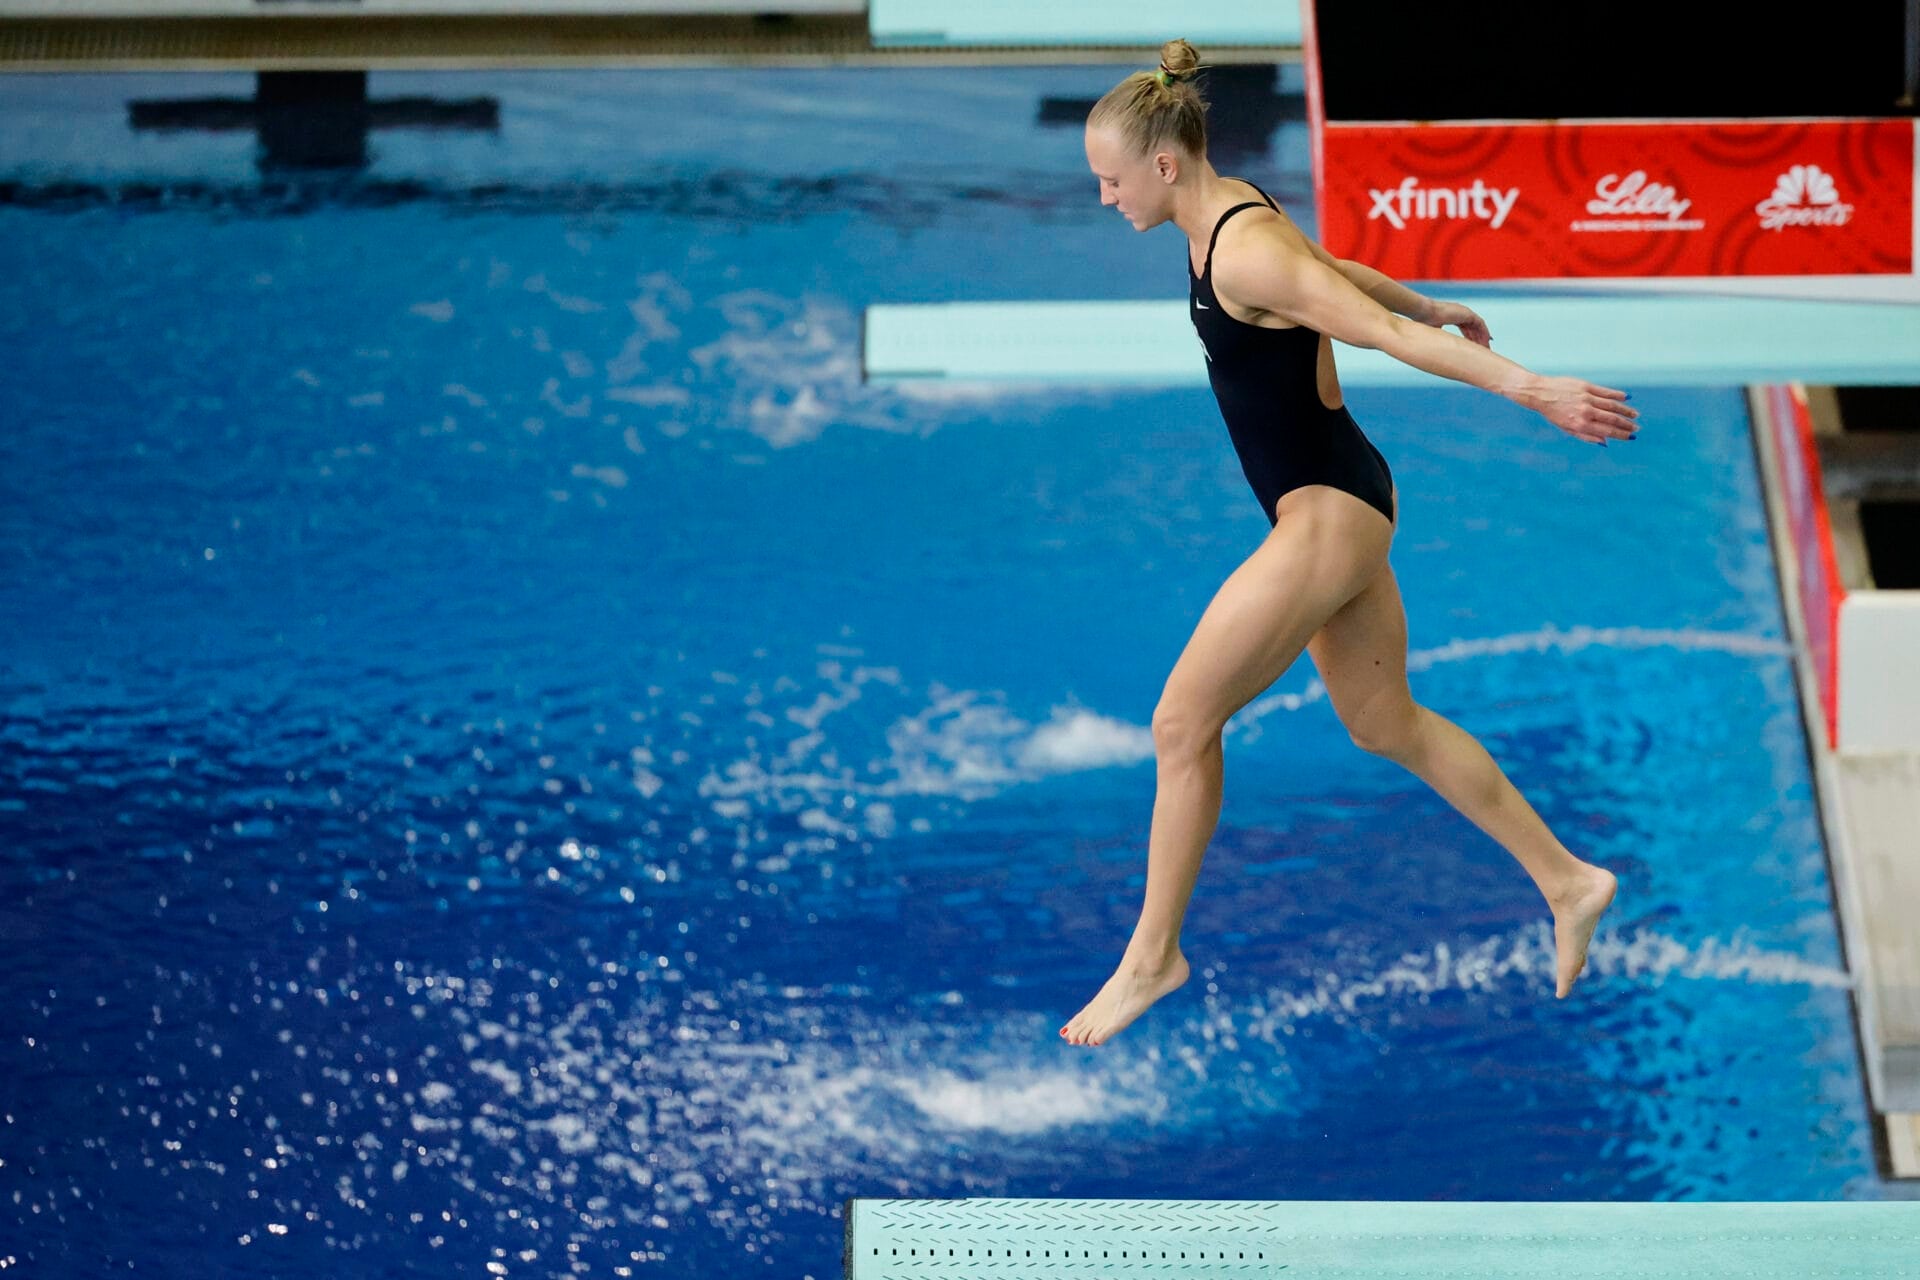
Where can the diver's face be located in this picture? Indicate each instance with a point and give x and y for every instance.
(1127, 182)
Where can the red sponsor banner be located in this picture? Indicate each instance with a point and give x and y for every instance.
(1491, 200)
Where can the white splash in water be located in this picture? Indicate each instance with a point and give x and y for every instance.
(1076, 739)
(1584, 637)
(1548, 637)
(1528, 953)
(650, 396)
(675, 1086)
(788, 368)
(1024, 1101)
(966, 744)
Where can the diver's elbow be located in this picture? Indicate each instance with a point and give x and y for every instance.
(1391, 333)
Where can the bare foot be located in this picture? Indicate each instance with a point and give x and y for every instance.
(1575, 913)
(1126, 996)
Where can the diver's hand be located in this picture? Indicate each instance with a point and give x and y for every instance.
(1471, 326)
(1582, 409)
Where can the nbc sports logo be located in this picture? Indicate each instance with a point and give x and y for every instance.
(1803, 196)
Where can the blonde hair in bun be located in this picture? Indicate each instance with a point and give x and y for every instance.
(1150, 109)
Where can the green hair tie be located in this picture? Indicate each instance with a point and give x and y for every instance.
(1164, 76)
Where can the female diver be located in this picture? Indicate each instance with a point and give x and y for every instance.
(1267, 301)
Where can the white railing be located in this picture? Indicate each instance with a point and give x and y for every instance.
(1879, 677)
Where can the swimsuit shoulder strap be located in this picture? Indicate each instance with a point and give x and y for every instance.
(1263, 195)
(1206, 264)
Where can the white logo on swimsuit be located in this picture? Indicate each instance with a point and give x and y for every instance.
(1203, 306)
(1803, 196)
(1647, 206)
(1409, 200)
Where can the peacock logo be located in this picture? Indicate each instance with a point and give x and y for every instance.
(1804, 196)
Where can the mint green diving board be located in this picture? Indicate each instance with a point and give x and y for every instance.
(1095, 22)
(1013, 1239)
(1612, 340)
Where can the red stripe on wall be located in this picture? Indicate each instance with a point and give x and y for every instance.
(1316, 113)
(1805, 495)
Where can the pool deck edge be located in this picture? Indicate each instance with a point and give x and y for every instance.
(1860, 802)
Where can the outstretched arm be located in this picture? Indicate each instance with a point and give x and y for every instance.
(1411, 303)
(1270, 274)
(1384, 289)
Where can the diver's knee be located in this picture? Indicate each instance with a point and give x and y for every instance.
(1181, 730)
(1391, 731)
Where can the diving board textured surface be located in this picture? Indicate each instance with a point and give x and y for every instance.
(532, 9)
(1098, 22)
(1627, 342)
(1473, 1240)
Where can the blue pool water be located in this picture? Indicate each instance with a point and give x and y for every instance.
(513, 760)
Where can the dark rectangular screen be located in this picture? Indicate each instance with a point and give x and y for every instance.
(1545, 59)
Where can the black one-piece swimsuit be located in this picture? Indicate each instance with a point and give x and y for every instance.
(1265, 381)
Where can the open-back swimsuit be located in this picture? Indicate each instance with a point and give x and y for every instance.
(1265, 381)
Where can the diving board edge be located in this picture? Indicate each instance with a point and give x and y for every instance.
(1014, 1238)
(1619, 339)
